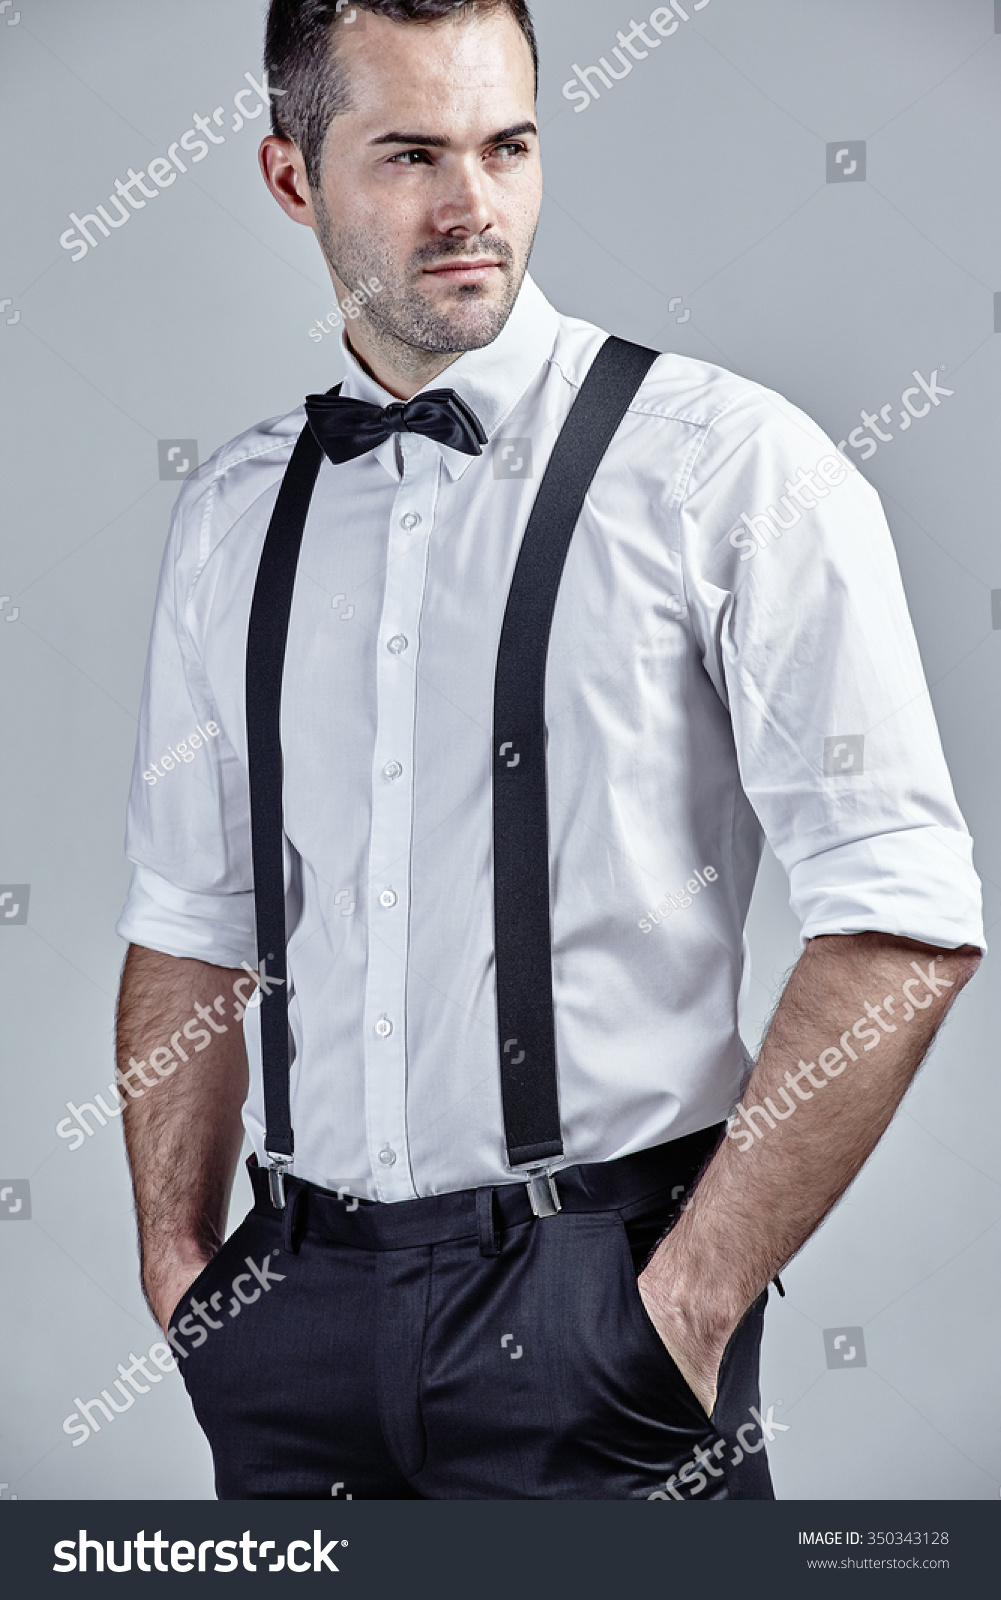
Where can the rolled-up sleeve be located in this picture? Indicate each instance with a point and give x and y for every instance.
(188, 832)
(796, 598)
(218, 929)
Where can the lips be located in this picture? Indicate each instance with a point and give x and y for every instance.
(473, 270)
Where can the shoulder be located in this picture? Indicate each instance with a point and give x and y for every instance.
(247, 467)
(694, 395)
(701, 396)
(261, 451)
(242, 475)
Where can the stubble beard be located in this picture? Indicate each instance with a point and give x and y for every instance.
(399, 317)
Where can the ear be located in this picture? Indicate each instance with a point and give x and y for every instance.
(285, 175)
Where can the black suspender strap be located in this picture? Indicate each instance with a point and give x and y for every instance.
(266, 639)
(522, 928)
(523, 939)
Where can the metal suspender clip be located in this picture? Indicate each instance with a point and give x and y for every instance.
(542, 1193)
(277, 1168)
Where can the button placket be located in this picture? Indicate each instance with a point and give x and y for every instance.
(410, 524)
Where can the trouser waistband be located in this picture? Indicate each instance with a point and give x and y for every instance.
(485, 1213)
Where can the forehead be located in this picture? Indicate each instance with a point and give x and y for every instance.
(461, 71)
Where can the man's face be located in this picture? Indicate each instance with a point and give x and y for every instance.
(431, 181)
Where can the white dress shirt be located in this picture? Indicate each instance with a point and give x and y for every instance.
(707, 686)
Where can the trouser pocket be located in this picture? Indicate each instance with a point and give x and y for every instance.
(204, 1330)
(737, 1414)
(736, 1457)
(197, 1312)
(543, 1376)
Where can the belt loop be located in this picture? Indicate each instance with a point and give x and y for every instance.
(486, 1222)
(294, 1215)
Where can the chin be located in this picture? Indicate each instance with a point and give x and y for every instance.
(472, 314)
(469, 334)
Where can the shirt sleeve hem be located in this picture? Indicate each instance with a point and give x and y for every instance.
(216, 929)
(914, 884)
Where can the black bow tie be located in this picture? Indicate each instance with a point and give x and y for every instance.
(348, 428)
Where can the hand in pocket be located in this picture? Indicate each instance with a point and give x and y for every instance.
(166, 1289)
(696, 1357)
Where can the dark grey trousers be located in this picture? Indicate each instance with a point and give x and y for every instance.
(458, 1348)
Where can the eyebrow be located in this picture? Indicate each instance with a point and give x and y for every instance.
(435, 141)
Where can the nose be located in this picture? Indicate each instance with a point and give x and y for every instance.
(464, 209)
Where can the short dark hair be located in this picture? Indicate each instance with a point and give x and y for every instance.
(301, 63)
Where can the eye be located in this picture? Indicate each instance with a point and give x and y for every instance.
(510, 150)
(410, 158)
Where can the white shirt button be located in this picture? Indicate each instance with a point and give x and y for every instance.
(387, 1155)
(412, 520)
(384, 1027)
(392, 770)
(387, 898)
(397, 644)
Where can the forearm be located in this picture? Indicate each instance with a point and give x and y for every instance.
(183, 1129)
(772, 1182)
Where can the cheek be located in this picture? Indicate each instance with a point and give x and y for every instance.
(390, 220)
(518, 203)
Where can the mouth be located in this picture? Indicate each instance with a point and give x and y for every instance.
(473, 270)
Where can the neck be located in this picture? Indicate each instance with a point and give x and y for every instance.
(401, 369)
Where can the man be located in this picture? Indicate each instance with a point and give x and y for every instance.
(471, 1269)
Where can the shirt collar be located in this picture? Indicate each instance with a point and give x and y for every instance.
(491, 381)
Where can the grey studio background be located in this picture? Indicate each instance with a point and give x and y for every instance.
(803, 191)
